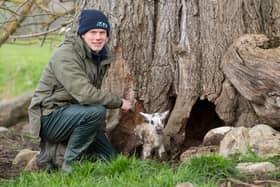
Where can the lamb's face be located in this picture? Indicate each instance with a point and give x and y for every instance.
(155, 121)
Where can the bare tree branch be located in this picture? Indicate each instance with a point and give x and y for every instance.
(8, 9)
(23, 11)
(15, 21)
(55, 13)
(40, 5)
(41, 33)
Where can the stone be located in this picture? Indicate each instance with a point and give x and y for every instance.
(256, 168)
(29, 157)
(235, 141)
(215, 136)
(24, 156)
(3, 129)
(32, 164)
(198, 151)
(264, 141)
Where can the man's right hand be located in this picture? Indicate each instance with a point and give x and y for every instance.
(126, 105)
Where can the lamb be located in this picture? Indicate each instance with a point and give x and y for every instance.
(151, 133)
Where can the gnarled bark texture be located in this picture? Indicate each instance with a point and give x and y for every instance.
(252, 64)
(168, 56)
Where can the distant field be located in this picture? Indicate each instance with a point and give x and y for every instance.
(21, 65)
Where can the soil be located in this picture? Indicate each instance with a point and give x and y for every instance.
(11, 143)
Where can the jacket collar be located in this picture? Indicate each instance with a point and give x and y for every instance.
(103, 54)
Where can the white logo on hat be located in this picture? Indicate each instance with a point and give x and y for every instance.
(102, 25)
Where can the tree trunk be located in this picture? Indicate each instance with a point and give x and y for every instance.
(252, 64)
(168, 56)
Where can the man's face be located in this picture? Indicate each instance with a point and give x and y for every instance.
(95, 39)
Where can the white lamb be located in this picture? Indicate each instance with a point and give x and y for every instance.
(151, 133)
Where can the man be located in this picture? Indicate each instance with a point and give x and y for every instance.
(68, 104)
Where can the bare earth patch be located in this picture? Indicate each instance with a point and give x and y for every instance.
(11, 143)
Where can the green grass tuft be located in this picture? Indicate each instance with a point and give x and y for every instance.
(130, 172)
(203, 171)
(250, 156)
(206, 168)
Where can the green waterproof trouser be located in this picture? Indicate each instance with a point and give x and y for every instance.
(81, 127)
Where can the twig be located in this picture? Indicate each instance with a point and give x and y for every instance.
(56, 13)
(15, 21)
(239, 182)
(266, 181)
(40, 33)
(9, 10)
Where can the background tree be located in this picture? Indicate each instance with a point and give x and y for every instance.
(169, 56)
(34, 18)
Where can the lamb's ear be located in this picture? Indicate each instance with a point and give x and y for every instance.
(147, 117)
(164, 115)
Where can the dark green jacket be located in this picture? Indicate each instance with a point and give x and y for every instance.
(70, 77)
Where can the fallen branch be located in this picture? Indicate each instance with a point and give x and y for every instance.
(241, 183)
(14, 111)
(266, 182)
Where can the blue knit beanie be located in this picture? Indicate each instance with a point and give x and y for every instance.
(92, 19)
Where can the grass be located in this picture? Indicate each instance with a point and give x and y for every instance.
(202, 171)
(21, 65)
(131, 172)
(207, 168)
(251, 157)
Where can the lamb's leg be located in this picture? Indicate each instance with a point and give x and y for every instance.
(147, 150)
(161, 151)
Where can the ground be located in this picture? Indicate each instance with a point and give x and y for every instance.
(11, 143)
(15, 139)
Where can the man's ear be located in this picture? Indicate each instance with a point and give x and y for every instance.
(146, 116)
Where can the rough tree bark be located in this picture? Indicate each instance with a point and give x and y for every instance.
(252, 64)
(168, 56)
